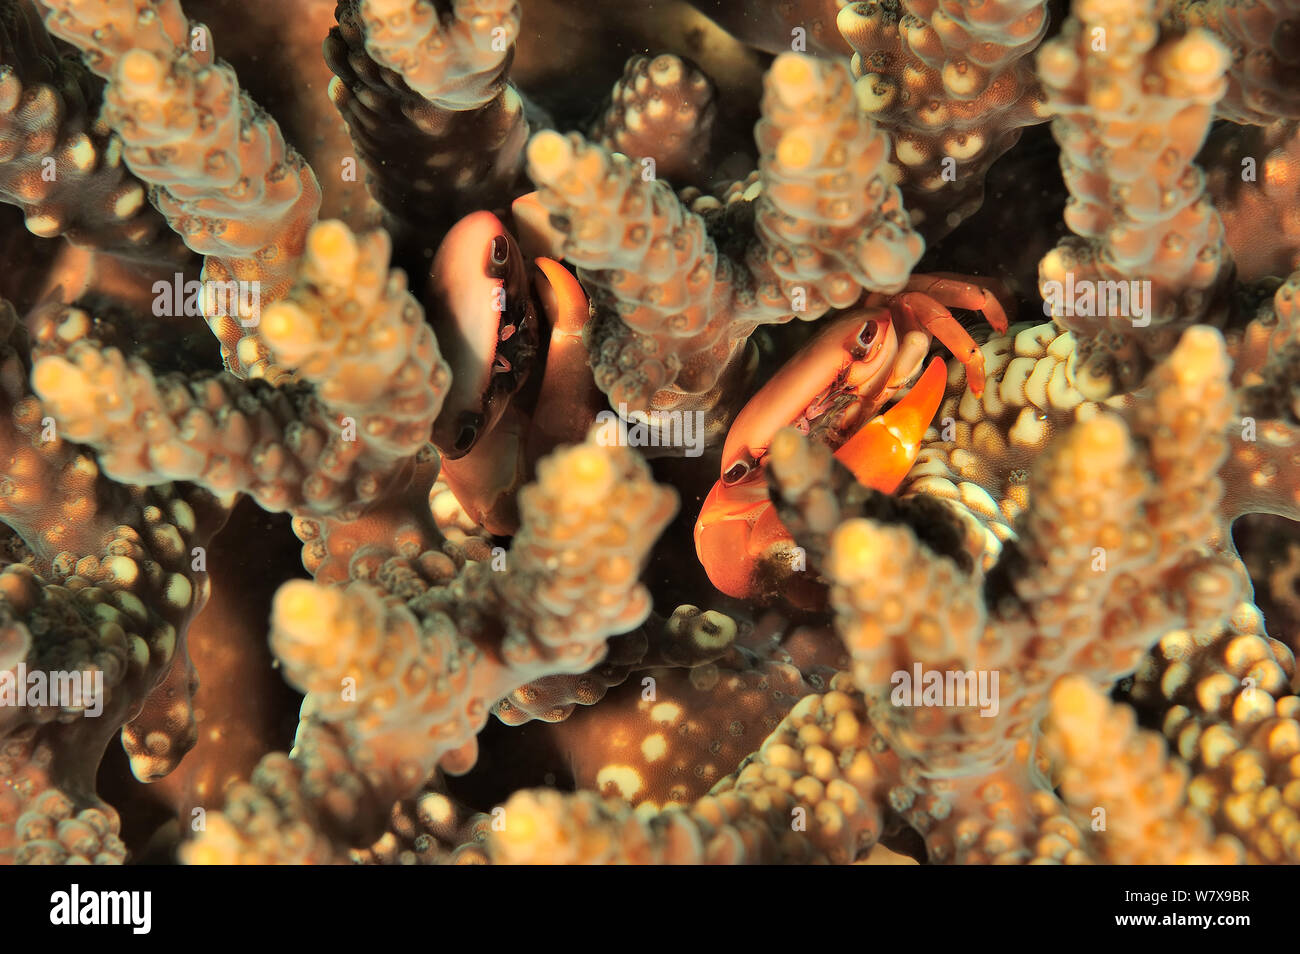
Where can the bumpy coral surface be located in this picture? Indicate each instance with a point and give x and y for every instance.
(369, 372)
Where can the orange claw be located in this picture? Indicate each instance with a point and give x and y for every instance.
(569, 398)
(883, 450)
(789, 391)
(740, 526)
(486, 479)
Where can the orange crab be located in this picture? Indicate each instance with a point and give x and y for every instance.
(834, 389)
(491, 322)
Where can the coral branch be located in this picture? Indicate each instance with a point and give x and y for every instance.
(1109, 762)
(953, 85)
(664, 109)
(1265, 71)
(60, 167)
(348, 323)
(427, 104)
(1224, 701)
(221, 171)
(829, 221)
(1130, 114)
(672, 312)
(456, 64)
(396, 687)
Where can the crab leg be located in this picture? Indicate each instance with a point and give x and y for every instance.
(919, 309)
(958, 293)
(883, 450)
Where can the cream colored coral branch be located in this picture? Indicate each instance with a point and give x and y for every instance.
(664, 109)
(456, 64)
(223, 174)
(1130, 112)
(357, 334)
(672, 313)
(953, 84)
(1122, 784)
(428, 106)
(396, 687)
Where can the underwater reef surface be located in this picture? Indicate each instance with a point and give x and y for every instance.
(737, 431)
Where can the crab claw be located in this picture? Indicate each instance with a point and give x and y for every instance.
(883, 450)
(569, 399)
(736, 527)
(482, 312)
(486, 479)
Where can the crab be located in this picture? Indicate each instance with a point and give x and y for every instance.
(835, 389)
(512, 335)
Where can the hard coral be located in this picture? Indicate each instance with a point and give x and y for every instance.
(927, 670)
(672, 312)
(1130, 114)
(954, 86)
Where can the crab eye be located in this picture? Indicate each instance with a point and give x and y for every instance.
(468, 433)
(868, 333)
(500, 253)
(736, 472)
